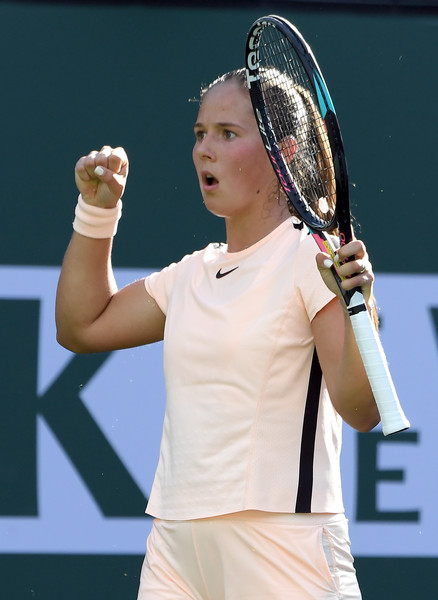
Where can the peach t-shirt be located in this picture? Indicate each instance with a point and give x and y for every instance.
(238, 351)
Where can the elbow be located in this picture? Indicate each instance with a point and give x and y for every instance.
(367, 426)
(362, 416)
(366, 421)
(358, 408)
(71, 342)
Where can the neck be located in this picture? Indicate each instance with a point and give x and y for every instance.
(242, 235)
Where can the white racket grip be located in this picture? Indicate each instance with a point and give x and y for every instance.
(376, 366)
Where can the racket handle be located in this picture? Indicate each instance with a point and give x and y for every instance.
(373, 356)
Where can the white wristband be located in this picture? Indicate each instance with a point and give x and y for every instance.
(96, 222)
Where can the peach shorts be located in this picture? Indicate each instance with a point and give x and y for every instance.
(250, 556)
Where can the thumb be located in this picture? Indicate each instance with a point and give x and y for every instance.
(324, 262)
(100, 171)
(113, 183)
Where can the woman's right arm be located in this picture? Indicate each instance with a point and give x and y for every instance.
(92, 315)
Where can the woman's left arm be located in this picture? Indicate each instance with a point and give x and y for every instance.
(338, 353)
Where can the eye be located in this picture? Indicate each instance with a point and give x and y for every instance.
(199, 135)
(229, 135)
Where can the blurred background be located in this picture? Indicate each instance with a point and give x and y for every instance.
(79, 435)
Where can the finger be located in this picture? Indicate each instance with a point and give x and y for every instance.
(106, 150)
(114, 159)
(118, 161)
(363, 280)
(325, 267)
(103, 174)
(355, 248)
(355, 267)
(114, 182)
(102, 157)
(90, 162)
(111, 162)
(324, 261)
(84, 168)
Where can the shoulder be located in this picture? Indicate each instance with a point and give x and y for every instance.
(188, 260)
(167, 276)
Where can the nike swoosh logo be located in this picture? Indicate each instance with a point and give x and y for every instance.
(219, 274)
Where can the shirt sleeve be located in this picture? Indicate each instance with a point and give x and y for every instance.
(161, 284)
(310, 285)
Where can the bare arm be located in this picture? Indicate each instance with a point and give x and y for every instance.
(91, 314)
(339, 356)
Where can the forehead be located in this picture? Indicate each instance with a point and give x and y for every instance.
(228, 98)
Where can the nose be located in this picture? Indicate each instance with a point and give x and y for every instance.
(204, 149)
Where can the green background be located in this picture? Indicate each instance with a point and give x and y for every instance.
(76, 77)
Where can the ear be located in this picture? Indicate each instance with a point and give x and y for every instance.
(288, 146)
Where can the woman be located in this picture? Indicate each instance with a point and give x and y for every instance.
(247, 496)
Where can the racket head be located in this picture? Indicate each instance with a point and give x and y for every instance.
(298, 124)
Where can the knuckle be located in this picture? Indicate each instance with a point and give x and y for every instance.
(100, 159)
(120, 151)
(114, 162)
(106, 150)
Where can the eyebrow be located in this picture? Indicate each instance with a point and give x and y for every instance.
(222, 125)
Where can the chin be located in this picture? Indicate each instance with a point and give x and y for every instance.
(213, 207)
(215, 212)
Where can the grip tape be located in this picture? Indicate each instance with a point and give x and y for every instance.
(376, 366)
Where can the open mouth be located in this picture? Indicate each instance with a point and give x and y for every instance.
(209, 180)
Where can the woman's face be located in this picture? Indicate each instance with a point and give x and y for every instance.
(234, 172)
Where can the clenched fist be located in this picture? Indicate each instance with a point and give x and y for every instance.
(101, 176)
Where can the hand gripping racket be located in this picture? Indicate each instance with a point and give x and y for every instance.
(300, 131)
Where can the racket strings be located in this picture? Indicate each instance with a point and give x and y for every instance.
(297, 124)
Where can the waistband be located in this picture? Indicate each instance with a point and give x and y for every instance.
(273, 517)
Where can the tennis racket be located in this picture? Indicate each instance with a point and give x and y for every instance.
(301, 134)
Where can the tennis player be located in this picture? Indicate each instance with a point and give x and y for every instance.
(261, 367)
